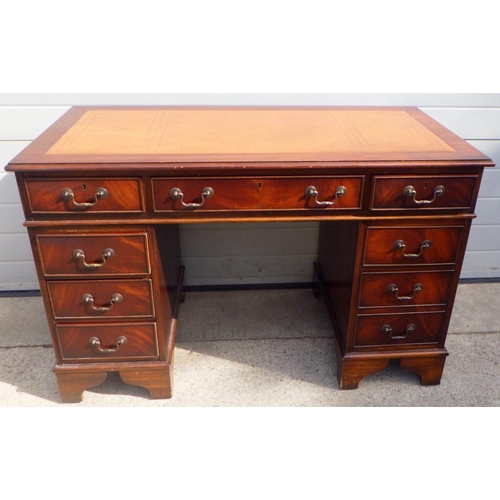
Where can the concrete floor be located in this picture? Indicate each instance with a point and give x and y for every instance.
(266, 348)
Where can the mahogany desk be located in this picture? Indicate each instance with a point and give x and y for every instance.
(104, 191)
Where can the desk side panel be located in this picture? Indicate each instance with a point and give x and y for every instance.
(166, 251)
(337, 256)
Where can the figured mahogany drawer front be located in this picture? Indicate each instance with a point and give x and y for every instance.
(93, 254)
(412, 245)
(100, 342)
(404, 289)
(81, 196)
(322, 193)
(101, 299)
(397, 329)
(423, 192)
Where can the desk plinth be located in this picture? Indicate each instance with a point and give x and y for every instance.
(104, 191)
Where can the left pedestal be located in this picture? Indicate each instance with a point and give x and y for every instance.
(111, 296)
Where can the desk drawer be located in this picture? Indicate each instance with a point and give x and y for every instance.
(412, 245)
(404, 289)
(397, 329)
(323, 193)
(423, 192)
(276, 193)
(100, 342)
(81, 196)
(93, 254)
(105, 299)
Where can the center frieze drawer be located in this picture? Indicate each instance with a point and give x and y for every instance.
(423, 192)
(412, 245)
(102, 342)
(82, 196)
(405, 289)
(101, 299)
(398, 329)
(276, 193)
(93, 254)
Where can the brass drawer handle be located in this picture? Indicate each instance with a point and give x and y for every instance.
(411, 191)
(400, 245)
(388, 329)
(108, 253)
(95, 342)
(100, 194)
(312, 191)
(87, 298)
(177, 194)
(394, 289)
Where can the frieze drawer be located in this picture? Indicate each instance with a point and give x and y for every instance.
(303, 193)
(424, 192)
(83, 196)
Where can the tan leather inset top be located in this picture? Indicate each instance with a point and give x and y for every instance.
(224, 131)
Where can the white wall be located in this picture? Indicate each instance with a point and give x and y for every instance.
(269, 253)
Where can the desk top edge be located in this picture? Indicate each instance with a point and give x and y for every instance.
(38, 155)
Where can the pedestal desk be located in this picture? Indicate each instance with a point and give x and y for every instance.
(105, 189)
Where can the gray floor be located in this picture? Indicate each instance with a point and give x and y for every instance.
(266, 348)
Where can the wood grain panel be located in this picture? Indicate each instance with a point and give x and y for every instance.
(73, 342)
(290, 193)
(66, 299)
(259, 193)
(130, 254)
(124, 195)
(338, 256)
(380, 245)
(228, 194)
(427, 329)
(375, 291)
(458, 192)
